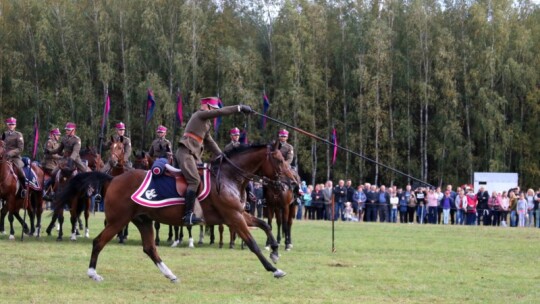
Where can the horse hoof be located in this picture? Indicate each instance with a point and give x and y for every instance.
(274, 257)
(175, 244)
(92, 274)
(58, 239)
(279, 274)
(267, 248)
(175, 280)
(11, 237)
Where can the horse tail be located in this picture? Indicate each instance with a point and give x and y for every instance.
(78, 187)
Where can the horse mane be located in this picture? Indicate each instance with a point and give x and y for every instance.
(78, 186)
(244, 148)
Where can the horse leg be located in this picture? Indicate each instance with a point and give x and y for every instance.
(73, 219)
(11, 230)
(241, 228)
(221, 235)
(61, 224)
(170, 235)
(3, 213)
(86, 216)
(288, 233)
(144, 224)
(22, 222)
(212, 236)
(32, 217)
(176, 240)
(201, 235)
(232, 238)
(157, 226)
(190, 237)
(111, 229)
(270, 219)
(53, 222)
(259, 223)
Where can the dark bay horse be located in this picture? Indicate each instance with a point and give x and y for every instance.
(8, 192)
(75, 204)
(92, 158)
(280, 203)
(223, 205)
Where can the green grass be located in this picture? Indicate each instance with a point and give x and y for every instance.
(373, 263)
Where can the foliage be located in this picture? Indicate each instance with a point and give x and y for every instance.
(438, 89)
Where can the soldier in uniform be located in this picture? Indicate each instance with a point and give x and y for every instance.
(235, 135)
(192, 144)
(119, 137)
(161, 147)
(70, 145)
(50, 161)
(286, 148)
(14, 145)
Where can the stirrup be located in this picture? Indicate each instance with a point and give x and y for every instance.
(191, 219)
(97, 198)
(23, 193)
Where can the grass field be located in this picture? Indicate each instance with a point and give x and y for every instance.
(373, 263)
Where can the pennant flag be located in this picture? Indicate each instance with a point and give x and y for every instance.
(243, 136)
(217, 120)
(36, 137)
(179, 110)
(335, 142)
(106, 110)
(150, 105)
(266, 105)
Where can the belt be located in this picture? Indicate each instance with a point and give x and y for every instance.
(194, 136)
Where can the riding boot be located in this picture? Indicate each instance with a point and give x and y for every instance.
(189, 217)
(48, 195)
(22, 181)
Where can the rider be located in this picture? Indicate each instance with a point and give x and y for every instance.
(50, 161)
(14, 145)
(119, 137)
(235, 135)
(70, 145)
(161, 147)
(195, 139)
(286, 148)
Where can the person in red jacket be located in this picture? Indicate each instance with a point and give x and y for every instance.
(470, 208)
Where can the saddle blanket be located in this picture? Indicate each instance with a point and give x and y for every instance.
(160, 191)
(31, 176)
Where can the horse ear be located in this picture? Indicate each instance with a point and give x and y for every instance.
(112, 138)
(3, 136)
(121, 139)
(276, 144)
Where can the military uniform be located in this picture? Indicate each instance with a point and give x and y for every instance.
(160, 147)
(196, 138)
(14, 145)
(127, 151)
(287, 151)
(70, 145)
(50, 161)
(233, 144)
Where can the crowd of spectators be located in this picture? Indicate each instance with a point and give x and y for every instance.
(464, 206)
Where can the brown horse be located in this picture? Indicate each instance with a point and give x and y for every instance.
(223, 204)
(92, 158)
(280, 202)
(8, 192)
(76, 204)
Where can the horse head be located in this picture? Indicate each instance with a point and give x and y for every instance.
(117, 152)
(67, 168)
(282, 170)
(2, 149)
(142, 160)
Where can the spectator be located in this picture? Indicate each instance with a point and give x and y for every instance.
(327, 195)
(350, 194)
(317, 201)
(461, 202)
(440, 196)
(411, 204)
(394, 201)
(482, 207)
(340, 197)
(309, 213)
(371, 204)
(494, 206)
(348, 211)
(383, 202)
(403, 200)
(505, 204)
(470, 207)
(431, 204)
(513, 208)
(446, 204)
(453, 195)
(530, 197)
(420, 194)
(537, 209)
(522, 210)
(359, 198)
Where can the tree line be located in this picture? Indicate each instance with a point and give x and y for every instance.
(437, 89)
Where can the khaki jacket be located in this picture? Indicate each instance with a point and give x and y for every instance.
(231, 145)
(70, 145)
(160, 147)
(14, 144)
(50, 161)
(287, 151)
(200, 125)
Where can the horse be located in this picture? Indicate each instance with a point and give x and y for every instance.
(76, 204)
(142, 160)
(92, 158)
(8, 192)
(223, 204)
(280, 202)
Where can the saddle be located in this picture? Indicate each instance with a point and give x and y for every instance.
(165, 185)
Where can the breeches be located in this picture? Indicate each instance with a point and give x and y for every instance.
(186, 162)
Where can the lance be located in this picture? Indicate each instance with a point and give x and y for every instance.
(342, 148)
